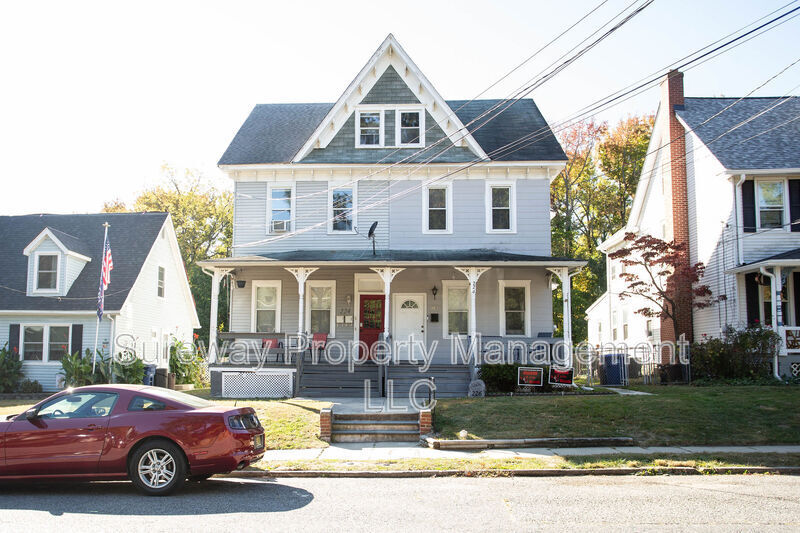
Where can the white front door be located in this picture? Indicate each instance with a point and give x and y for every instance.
(408, 311)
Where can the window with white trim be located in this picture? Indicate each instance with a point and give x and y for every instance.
(613, 325)
(437, 211)
(281, 205)
(500, 207)
(369, 128)
(770, 196)
(625, 324)
(456, 307)
(45, 343)
(409, 127)
(514, 307)
(341, 212)
(47, 272)
(321, 306)
(266, 317)
(160, 285)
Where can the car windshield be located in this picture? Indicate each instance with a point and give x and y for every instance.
(175, 396)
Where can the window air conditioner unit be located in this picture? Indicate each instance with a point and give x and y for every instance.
(280, 226)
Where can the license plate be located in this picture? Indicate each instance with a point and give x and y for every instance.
(258, 442)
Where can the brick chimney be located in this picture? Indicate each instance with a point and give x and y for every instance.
(676, 199)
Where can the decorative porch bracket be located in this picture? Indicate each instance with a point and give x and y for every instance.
(473, 274)
(301, 274)
(565, 276)
(216, 277)
(387, 274)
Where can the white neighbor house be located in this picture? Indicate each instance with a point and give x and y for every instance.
(725, 174)
(49, 279)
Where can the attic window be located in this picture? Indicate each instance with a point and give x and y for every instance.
(410, 128)
(369, 128)
(47, 272)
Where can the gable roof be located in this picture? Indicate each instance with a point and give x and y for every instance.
(131, 236)
(273, 133)
(769, 141)
(284, 133)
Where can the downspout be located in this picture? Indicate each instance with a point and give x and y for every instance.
(737, 194)
(774, 297)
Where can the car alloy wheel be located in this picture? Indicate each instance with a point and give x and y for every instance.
(156, 468)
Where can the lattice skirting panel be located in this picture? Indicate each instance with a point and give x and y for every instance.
(257, 384)
(795, 369)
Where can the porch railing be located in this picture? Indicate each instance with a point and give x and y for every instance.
(791, 339)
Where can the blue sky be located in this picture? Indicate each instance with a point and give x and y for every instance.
(97, 95)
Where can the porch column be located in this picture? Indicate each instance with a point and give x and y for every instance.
(387, 274)
(473, 274)
(216, 277)
(565, 276)
(301, 274)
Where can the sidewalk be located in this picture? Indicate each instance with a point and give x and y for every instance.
(377, 451)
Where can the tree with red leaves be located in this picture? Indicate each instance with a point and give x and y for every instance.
(659, 271)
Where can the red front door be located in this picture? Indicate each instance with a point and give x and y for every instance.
(371, 320)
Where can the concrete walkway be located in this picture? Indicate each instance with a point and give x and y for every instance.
(378, 451)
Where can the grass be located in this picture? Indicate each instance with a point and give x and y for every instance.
(288, 424)
(675, 415)
(482, 464)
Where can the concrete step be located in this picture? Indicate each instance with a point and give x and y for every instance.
(375, 425)
(374, 436)
(373, 417)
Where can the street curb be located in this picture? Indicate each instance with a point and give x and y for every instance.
(542, 472)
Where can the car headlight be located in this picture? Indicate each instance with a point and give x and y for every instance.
(235, 422)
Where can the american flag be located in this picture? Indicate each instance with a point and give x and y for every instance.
(105, 277)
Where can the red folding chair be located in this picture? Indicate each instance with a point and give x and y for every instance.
(318, 342)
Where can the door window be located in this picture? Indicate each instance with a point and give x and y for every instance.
(372, 314)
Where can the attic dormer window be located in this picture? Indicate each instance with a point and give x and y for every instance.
(46, 272)
(369, 128)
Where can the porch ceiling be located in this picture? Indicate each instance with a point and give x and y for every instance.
(365, 257)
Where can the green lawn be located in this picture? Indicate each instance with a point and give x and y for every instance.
(288, 424)
(674, 415)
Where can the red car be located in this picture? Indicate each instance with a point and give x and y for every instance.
(155, 437)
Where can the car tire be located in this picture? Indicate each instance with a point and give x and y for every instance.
(157, 468)
(199, 478)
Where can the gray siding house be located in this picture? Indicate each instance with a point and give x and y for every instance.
(391, 214)
(49, 279)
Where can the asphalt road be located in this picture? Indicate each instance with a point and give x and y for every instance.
(717, 503)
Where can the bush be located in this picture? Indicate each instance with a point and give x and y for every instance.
(29, 386)
(77, 369)
(187, 364)
(503, 378)
(10, 369)
(740, 355)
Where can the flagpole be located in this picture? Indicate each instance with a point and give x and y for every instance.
(97, 328)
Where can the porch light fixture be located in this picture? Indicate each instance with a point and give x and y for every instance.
(241, 283)
(434, 291)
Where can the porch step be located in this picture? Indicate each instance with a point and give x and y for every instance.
(372, 435)
(376, 417)
(375, 427)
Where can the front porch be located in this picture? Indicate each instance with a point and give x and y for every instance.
(375, 319)
(771, 297)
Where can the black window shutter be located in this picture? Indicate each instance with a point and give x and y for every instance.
(796, 280)
(77, 339)
(794, 204)
(749, 206)
(751, 290)
(13, 338)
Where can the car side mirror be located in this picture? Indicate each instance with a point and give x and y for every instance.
(32, 414)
